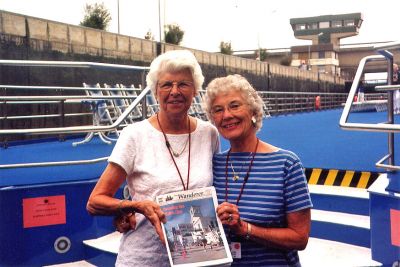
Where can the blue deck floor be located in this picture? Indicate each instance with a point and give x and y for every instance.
(52, 151)
(315, 136)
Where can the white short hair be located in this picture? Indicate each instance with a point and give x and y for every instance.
(236, 83)
(172, 61)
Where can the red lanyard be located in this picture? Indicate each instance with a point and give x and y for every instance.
(172, 157)
(245, 178)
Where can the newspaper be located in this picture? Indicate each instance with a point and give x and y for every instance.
(194, 233)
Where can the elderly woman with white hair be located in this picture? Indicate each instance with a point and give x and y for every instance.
(262, 190)
(170, 151)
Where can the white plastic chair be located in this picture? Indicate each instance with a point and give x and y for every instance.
(101, 114)
(132, 93)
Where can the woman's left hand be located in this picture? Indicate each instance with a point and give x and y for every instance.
(229, 215)
(125, 222)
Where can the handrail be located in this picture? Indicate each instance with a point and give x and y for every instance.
(391, 167)
(74, 129)
(274, 103)
(82, 129)
(52, 163)
(299, 93)
(385, 46)
(353, 90)
(388, 126)
(64, 88)
(385, 88)
(60, 97)
(69, 64)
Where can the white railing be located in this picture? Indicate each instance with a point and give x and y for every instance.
(387, 126)
(275, 103)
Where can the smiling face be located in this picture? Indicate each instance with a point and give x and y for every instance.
(232, 116)
(175, 92)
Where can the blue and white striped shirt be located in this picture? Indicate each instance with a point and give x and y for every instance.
(276, 186)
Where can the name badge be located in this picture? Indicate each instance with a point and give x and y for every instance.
(236, 250)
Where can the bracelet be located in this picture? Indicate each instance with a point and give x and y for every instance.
(121, 209)
(248, 233)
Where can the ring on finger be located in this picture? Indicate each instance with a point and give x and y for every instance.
(230, 217)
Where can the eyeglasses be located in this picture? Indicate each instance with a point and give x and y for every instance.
(168, 85)
(234, 107)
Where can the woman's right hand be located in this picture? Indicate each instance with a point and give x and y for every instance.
(153, 213)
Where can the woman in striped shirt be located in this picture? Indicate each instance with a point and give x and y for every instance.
(262, 190)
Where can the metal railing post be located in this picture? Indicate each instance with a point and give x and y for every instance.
(144, 103)
(390, 114)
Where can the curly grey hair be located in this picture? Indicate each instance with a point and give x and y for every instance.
(238, 83)
(172, 61)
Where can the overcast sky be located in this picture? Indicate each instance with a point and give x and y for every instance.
(247, 24)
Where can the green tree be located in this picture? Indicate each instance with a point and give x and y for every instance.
(225, 48)
(263, 54)
(96, 16)
(173, 34)
(260, 54)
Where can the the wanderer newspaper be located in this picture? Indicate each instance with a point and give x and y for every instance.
(194, 234)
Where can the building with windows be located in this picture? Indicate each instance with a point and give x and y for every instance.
(325, 33)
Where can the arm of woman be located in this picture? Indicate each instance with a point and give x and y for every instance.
(102, 202)
(294, 236)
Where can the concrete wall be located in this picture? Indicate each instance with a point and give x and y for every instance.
(34, 38)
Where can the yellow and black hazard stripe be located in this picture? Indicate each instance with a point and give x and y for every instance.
(340, 177)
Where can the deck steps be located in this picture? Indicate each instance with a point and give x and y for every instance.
(340, 199)
(103, 251)
(340, 214)
(109, 243)
(327, 253)
(342, 227)
(355, 220)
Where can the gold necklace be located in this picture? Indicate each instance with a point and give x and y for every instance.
(235, 176)
(244, 179)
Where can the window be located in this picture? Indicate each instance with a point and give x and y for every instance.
(321, 54)
(336, 23)
(300, 27)
(324, 24)
(349, 22)
(313, 26)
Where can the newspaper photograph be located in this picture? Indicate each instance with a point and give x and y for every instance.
(194, 234)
